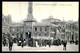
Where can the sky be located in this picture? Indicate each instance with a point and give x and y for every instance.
(42, 10)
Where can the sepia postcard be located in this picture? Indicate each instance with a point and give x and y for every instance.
(40, 26)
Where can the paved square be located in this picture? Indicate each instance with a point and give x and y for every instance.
(70, 47)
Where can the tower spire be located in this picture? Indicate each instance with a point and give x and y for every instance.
(30, 16)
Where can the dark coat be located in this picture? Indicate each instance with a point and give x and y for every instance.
(29, 34)
(64, 43)
(10, 42)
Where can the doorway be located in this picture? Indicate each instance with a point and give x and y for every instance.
(72, 37)
(28, 34)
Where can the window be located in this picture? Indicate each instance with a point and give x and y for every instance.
(63, 30)
(27, 23)
(10, 30)
(17, 30)
(36, 34)
(13, 29)
(45, 28)
(35, 29)
(45, 34)
(21, 35)
(40, 29)
(13, 34)
(39, 34)
(21, 29)
(62, 37)
(52, 29)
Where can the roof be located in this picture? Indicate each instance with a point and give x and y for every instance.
(51, 20)
(45, 24)
(17, 24)
(42, 24)
(32, 20)
(53, 25)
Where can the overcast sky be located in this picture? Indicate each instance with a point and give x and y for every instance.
(42, 10)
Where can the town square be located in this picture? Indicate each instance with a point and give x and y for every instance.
(48, 34)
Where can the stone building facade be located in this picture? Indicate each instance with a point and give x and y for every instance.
(6, 22)
(48, 29)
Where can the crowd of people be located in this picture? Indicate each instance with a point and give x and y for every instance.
(9, 41)
(30, 44)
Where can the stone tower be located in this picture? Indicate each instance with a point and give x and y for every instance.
(30, 11)
(28, 22)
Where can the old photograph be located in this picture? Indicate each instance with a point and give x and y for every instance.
(40, 26)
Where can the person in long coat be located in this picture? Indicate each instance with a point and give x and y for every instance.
(4, 42)
(29, 34)
(22, 42)
(40, 42)
(64, 44)
(10, 43)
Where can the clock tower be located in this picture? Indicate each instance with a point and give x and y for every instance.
(28, 22)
